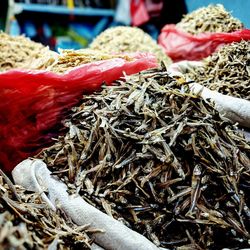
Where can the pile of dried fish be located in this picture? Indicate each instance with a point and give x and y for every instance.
(162, 161)
(20, 52)
(226, 71)
(128, 39)
(26, 222)
(68, 59)
(213, 18)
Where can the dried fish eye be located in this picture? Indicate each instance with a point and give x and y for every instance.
(108, 157)
(233, 232)
(205, 215)
(142, 131)
(85, 114)
(154, 206)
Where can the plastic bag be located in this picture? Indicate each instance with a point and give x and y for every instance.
(180, 45)
(33, 103)
(138, 12)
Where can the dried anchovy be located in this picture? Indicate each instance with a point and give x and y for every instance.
(128, 39)
(160, 160)
(69, 59)
(20, 52)
(212, 18)
(26, 222)
(227, 71)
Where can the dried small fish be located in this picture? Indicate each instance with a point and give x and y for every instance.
(69, 59)
(212, 18)
(128, 39)
(22, 53)
(26, 222)
(159, 159)
(226, 71)
(195, 185)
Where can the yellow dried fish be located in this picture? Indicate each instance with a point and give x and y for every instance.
(22, 53)
(213, 18)
(128, 39)
(69, 59)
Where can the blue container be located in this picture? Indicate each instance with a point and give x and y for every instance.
(66, 43)
(14, 28)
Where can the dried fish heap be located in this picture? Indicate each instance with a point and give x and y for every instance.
(226, 71)
(20, 52)
(69, 59)
(213, 18)
(160, 160)
(128, 39)
(26, 222)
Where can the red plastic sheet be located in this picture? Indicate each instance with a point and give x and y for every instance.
(33, 103)
(139, 13)
(180, 45)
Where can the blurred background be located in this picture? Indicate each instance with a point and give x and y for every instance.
(74, 23)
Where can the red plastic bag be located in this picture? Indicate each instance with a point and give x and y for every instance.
(33, 103)
(139, 13)
(180, 45)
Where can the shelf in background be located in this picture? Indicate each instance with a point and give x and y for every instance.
(57, 9)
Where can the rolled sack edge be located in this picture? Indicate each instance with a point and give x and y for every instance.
(35, 176)
(233, 108)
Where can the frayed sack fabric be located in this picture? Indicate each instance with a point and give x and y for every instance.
(35, 176)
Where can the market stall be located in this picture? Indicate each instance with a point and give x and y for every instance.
(128, 142)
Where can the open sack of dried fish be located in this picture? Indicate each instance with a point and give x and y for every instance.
(128, 39)
(223, 77)
(33, 103)
(201, 32)
(226, 71)
(34, 175)
(27, 222)
(155, 157)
